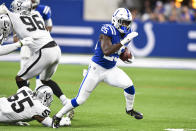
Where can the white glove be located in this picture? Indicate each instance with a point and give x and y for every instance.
(3, 9)
(20, 123)
(65, 121)
(129, 37)
(26, 41)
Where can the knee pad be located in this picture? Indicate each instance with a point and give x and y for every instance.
(130, 90)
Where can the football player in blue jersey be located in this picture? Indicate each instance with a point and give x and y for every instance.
(113, 39)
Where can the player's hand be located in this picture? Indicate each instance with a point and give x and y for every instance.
(26, 41)
(65, 121)
(3, 9)
(20, 123)
(130, 60)
(129, 37)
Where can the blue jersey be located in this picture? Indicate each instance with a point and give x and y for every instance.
(99, 58)
(44, 11)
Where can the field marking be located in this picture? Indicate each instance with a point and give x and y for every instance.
(164, 63)
(180, 129)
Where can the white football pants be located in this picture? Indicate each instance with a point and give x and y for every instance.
(43, 63)
(95, 74)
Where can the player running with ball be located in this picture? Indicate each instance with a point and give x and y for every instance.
(112, 42)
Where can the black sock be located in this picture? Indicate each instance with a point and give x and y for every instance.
(20, 84)
(54, 86)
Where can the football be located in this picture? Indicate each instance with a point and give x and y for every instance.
(125, 55)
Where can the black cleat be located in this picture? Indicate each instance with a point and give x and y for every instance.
(55, 122)
(135, 114)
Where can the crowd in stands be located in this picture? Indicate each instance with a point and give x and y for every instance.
(162, 11)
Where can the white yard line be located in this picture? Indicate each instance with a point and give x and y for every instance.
(167, 63)
(180, 129)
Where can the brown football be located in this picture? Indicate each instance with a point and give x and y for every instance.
(125, 55)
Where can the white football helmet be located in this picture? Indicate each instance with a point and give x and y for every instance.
(35, 3)
(122, 19)
(5, 27)
(44, 94)
(21, 6)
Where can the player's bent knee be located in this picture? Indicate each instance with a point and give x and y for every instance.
(81, 101)
(130, 90)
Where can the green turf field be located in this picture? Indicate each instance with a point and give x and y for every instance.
(167, 98)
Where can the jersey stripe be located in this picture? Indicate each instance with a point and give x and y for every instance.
(46, 9)
(114, 30)
(127, 12)
(110, 28)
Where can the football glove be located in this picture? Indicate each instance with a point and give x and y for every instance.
(129, 37)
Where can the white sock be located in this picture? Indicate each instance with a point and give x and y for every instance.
(63, 99)
(129, 100)
(68, 106)
(38, 83)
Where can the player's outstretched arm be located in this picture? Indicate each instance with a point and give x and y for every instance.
(6, 49)
(47, 121)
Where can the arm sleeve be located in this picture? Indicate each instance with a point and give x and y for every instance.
(6, 49)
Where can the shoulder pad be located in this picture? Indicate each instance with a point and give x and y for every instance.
(108, 30)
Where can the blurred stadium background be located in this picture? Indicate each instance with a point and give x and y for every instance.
(167, 39)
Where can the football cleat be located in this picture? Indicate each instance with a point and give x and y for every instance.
(135, 114)
(56, 122)
(70, 114)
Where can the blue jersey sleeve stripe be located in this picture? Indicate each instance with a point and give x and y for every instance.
(110, 28)
(46, 9)
(114, 30)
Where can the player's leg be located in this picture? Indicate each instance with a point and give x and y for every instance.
(32, 68)
(45, 77)
(47, 73)
(25, 54)
(118, 78)
(88, 84)
(53, 55)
